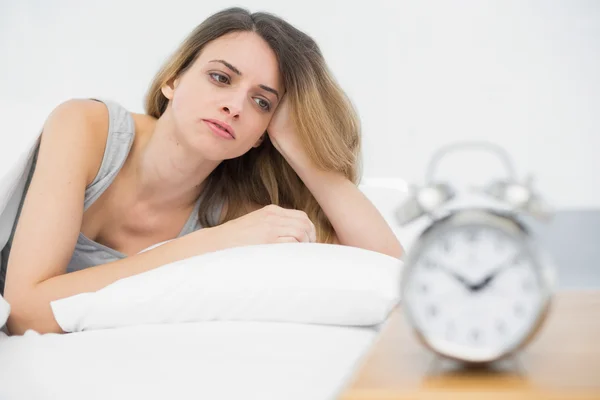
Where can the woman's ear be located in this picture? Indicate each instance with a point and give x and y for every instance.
(168, 89)
(260, 140)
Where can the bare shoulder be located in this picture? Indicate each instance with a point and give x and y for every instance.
(82, 125)
(93, 113)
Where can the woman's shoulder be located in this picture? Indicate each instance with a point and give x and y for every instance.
(89, 115)
(84, 109)
(83, 121)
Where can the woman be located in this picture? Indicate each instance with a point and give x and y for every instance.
(247, 136)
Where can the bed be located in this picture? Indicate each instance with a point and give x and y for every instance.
(293, 326)
(216, 326)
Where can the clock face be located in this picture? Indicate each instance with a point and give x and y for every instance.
(473, 292)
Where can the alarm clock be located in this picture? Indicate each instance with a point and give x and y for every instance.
(476, 286)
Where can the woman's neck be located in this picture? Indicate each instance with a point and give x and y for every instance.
(163, 172)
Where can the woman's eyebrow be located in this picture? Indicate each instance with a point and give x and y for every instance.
(231, 67)
(269, 89)
(238, 72)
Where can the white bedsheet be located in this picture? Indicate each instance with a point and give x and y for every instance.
(204, 360)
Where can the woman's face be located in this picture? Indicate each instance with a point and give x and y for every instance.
(235, 83)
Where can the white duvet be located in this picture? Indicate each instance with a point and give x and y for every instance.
(203, 360)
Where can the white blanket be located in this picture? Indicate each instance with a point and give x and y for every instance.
(205, 360)
(14, 170)
(4, 313)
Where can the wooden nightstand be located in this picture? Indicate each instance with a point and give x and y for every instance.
(563, 362)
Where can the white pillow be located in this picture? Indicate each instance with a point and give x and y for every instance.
(292, 282)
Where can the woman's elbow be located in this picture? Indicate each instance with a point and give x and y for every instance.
(392, 248)
(26, 315)
(396, 250)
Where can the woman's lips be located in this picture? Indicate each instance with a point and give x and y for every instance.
(219, 131)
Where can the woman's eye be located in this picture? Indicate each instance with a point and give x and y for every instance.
(219, 77)
(262, 103)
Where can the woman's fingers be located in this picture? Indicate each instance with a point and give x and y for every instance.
(293, 223)
(301, 221)
(301, 230)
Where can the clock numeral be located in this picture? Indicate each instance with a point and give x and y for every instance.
(501, 327)
(518, 260)
(446, 246)
(475, 335)
(432, 311)
(519, 310)
(423, 288)
(527, 285)
(450, 330)
(500, 243)
(472, 235)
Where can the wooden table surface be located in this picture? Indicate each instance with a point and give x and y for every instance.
(562, 362)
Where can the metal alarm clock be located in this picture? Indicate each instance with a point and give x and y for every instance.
(476, 286)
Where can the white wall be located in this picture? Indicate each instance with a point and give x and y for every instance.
(421, 73)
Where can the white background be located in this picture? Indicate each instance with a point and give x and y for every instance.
(522, 74)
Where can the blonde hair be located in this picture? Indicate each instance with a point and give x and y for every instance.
(323, 116)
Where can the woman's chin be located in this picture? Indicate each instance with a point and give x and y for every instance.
(212, 150)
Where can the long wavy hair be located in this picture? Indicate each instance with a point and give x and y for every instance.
(325, 120)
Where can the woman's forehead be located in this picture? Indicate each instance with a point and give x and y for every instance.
(248, 53)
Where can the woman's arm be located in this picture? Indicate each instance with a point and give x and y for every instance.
(31, 306)
(70, 154)
(71, 151)
(356, 221)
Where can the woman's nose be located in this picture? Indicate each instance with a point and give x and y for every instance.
(231, 111)
(232, 108)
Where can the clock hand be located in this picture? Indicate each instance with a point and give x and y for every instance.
(486, 281)
(456, 276)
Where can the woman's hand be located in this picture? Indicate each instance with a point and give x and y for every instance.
(270, 224)
(284, 137)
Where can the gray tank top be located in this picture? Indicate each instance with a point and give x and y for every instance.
(88, 253)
